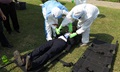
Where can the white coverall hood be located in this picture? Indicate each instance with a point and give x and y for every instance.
(77, 14)
(56, 12)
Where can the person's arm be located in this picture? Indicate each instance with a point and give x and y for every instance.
(58, 30)
(85, 26)
(70, 27)
(73, 35)
(67, 21)
(2, 15)
(65, 12)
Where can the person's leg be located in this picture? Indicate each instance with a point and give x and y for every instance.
(53, 29)
(13, 15)
(5, 8)
(57, 47)
(53, 23)
(40, 50)
(21, 60)
(48, 31)
(3, 39)
(85, 36)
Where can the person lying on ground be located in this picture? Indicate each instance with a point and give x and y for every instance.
(41, 55)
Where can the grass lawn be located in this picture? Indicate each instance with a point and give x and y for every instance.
(105, 27)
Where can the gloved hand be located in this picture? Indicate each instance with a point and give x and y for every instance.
(70, 27)
(73, 35)
(58, 30)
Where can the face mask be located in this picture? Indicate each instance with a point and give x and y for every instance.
(77, 18)
(57, 17)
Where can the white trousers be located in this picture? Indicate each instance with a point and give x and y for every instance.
(84, 29)
(49, 31)
(85, 36)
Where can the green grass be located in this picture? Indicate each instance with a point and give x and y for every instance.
(112, 0)
(105, 27)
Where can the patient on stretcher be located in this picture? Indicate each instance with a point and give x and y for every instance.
(41, 55)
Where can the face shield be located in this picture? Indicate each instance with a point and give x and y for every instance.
(56, 12)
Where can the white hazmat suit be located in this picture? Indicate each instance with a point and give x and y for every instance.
(52, 11)
(85, 14)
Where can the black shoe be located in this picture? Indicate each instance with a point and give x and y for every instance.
(8, 46)
(17, 31)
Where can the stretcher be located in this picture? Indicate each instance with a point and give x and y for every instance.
(51, 61)
(99, 57)
(56, 58)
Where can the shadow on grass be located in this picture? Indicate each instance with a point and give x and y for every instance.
(102, 36)
(101, 16)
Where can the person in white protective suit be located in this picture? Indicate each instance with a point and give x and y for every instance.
(52, 11)
(85, 14)
(77, 2)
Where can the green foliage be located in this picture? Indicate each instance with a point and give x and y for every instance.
(105, 27)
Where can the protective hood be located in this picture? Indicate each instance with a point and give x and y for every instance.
(56, 12)
(77, 14)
